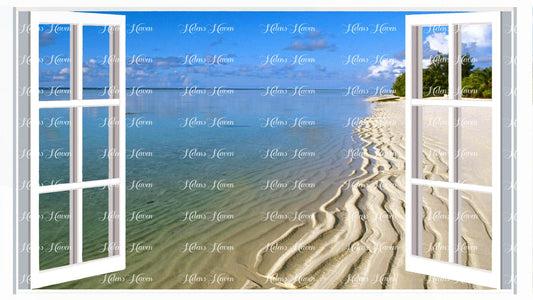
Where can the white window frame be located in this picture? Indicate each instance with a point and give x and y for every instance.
(502, 176)
(30, 107)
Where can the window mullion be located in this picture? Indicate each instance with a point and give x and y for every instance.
(447, 103)
(457, 186)
(418, 148)
(114, 145)
(454, 92)
(76, 144)
(413, 121)
(34, 145)
(79, 103)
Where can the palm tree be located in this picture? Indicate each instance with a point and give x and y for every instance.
(478, 84)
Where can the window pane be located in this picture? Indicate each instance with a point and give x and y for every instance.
(435, 223)
(96, 152)
(54, 62)
(435, 61)
(54, 225)
(54, 146)
(435, 143)
(476, 61)
(476, 230)
(96, 62)
(475, 151)
(95, 223)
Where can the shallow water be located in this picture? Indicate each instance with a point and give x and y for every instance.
(181, 231)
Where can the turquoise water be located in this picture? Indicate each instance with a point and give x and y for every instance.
(171, 172)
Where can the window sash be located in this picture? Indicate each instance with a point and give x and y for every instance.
(78, 269)
(500, 105)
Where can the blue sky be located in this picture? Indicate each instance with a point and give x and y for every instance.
(251, 49)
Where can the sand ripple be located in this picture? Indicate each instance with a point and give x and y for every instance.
(356, 238)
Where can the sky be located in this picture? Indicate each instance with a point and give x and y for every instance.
(321, 50)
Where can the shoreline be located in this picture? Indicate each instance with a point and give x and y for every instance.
(385, 98)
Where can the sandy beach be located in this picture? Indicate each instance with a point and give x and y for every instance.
(356, 238)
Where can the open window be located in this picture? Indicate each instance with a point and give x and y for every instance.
(443, 248)
(56, 188)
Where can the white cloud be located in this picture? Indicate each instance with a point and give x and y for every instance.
(480, 35)
(438, 41)
(309, 46)
(64, 71)
(387, 69)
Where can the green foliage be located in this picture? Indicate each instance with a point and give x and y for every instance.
(435, 77)
(475, 83)
(478, 84)
(466, 66)
(399, 85)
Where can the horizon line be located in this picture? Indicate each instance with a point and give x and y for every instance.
(200, 88)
